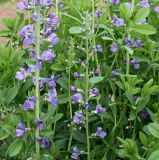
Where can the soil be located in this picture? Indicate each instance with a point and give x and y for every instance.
(7, 10)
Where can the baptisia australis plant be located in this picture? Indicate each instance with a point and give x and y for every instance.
(41, 31)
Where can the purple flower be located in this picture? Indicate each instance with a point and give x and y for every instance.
(100, 133)
(31, 68)
(76, 153)
(52, 97)
(53, 39)
(129, 42)
(77, 74)
(20, 131)
(51, 82)
(144, 114)
(77, 98)
(97, 13)
(47, 3)
(40, 123)
(73, 88)
(118, 22)
(97, 71)
(137, 43)
(44, 142)
(23, 5)
(22, 74)
(115, 72)
(34, 17)
(86, 106)
(144, 4)
(156, 9)
(135, 63)
(114, 48)
(47, 56)
(78, 118)
(61, 5)
(41, 81)
(114, 1)
(94, 92)
(29, 104)
(99, 109)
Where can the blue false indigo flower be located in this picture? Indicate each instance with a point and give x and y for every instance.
(37, 2)
(86, 106)
(129, 42)
(20, 131)
(53, 39)
(23, 5)
(118, 22)
(137, 43)
(40, 123)
(77, 98)
(100, 133)
(61, 5)
(97, 71)
(29, 104)
(47, 56)
(94, 92)
(51, 83)
(31, 68)
(100, 109)
(114, 1)
(73, 89)
(41, 81)
(77, 74)
(44, 142)
(22, 74)
(97, 14)
(52, 20)
(144, 4)
(34, 17)
(78, 118)
(156, 9)
(76, 153)
(52, 97)
(47, 3)
(114, 48)
(144, 114)
(115, 72)
(135, 63)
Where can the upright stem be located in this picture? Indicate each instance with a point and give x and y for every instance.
(93, 26)
(37, 90)
(86, 100)
(57, 8)
(128, 58)
(69, 92)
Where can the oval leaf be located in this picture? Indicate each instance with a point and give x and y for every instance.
(75, 30)
(15, 147)
(96, 79)
(154, 129)
(154, 155)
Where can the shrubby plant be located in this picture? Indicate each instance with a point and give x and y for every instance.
(80, 81)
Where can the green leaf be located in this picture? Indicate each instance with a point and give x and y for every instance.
(129, 50)
(79, 136)
(55, 118)
(125, 11)
(141, 14)
(154, 129)
(11, 94)
(15, 147)
(3, 135)
(75, 30)
(96, 79)
(154, 155)
(58, 67)
(143, 138)
(144, 29)
(63, 98)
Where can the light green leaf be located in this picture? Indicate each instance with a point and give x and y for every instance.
(144, 29)
(141, 14)
(154, 129)
(75, 30)
(154, 155)
(15, 147)
(96, 79)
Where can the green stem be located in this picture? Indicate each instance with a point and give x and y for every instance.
(128, 58)
(37, 90)
(57, 9)
(93, 26)
(86, 100)
(70, 104)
